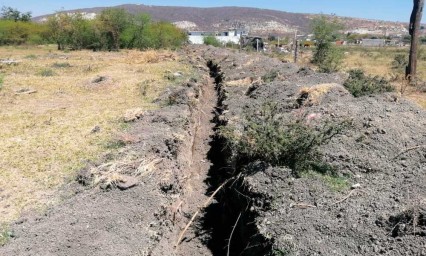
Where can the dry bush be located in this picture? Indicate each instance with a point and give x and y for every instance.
(110, 174)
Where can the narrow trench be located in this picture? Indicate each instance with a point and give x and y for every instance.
(232, 203)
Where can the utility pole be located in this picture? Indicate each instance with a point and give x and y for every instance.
(257, 44)
(416, 16)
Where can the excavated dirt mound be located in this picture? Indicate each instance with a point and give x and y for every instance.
(380, 162)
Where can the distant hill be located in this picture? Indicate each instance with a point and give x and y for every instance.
(258, 21)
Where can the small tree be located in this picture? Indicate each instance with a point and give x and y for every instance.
(326, 55)
(134, 36)
(60, 27)
(112, 23)
(8, 13)
(211, 40)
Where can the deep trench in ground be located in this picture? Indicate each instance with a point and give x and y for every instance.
(229, 221)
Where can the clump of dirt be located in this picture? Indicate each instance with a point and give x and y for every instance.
(408, 222)
(100, 79)
(132, 115)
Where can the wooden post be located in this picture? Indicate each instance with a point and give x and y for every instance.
(296, 49)
(294, 40)
(416, 16)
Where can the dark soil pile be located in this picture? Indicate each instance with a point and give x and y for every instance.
(375, 204)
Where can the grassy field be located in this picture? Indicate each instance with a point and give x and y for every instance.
(50, 103)
(380, 62)
(375, 61)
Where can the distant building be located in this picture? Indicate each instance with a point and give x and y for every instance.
(394, 42)
(229, 36)
(373, 42)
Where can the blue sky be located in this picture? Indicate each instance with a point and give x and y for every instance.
(394, 10)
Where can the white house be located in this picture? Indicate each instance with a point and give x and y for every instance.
(229, 36)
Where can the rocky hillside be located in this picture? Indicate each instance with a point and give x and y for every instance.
(258, 21)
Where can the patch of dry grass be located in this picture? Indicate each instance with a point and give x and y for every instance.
(111, 173)
(47, 135)
(374, 61)
(315, 93)
(378, 61)
(240, 82)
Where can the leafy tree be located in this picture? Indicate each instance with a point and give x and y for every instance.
(164, 35)
(20, 32)
(112, 29)
(134, 35)
(8, 13)
(71, 30)
(111, 24)
(60, 29)
(81, 32)
(326, 55)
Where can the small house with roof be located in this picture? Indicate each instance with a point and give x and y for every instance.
(228, 36)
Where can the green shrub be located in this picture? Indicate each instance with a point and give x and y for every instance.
(5, 234)
(115, 144)
(61, 65)
(270, 76)
(360, 84)
(47, 72)
(18, 33)
(266, 136)
(332, 59)
(31, 57)
(160, 35)
(326, 55)
(334, 182)
(211, 40)
(400, 61)
(144, 87)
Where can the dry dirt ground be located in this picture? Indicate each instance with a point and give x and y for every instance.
(376, 204)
